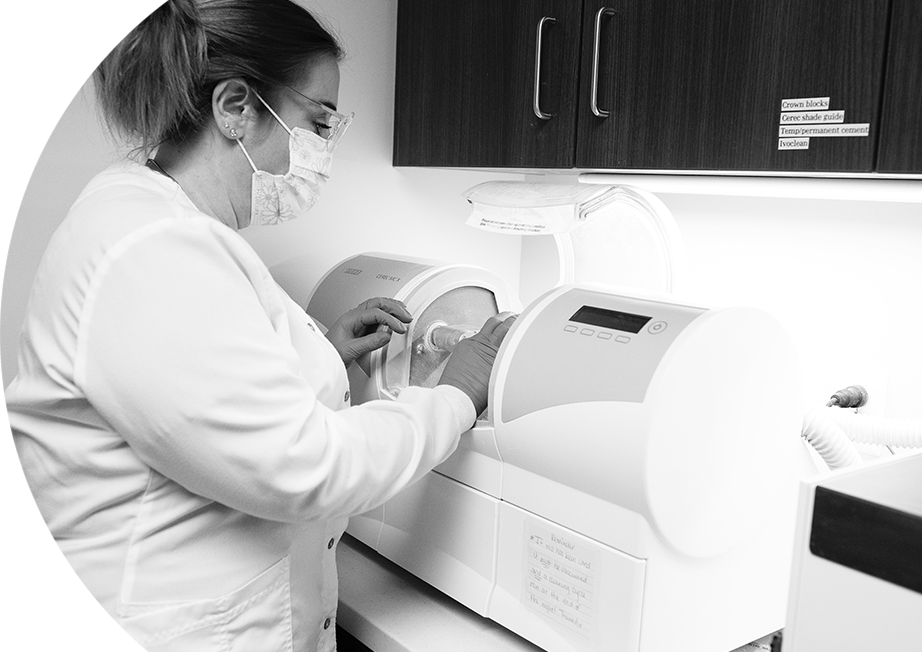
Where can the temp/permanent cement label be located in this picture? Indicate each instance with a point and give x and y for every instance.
(561, 580)
(809, 131)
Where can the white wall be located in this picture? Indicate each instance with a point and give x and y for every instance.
(841, 275)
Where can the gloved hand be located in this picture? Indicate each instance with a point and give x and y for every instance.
(471, 362)
(368, 327)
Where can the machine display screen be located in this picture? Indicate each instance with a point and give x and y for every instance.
(619, 321)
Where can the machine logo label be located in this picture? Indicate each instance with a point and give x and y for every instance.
(352, 270)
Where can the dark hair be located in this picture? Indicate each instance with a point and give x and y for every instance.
(156, 85)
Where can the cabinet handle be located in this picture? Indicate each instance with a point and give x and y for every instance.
(536, 107)
(594, 100)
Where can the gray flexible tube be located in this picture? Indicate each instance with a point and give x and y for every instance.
(880, 431)
(828, 439)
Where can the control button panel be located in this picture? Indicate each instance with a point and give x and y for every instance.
(654, 329)
(587, 345)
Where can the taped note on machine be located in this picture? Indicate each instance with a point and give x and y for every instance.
(561, 581)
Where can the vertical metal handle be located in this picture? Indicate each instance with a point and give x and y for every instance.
(594, 100)
(536, 106)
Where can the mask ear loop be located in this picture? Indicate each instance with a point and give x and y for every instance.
(274, 115)
(245, 153)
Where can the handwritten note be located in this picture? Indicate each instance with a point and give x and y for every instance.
(560, 578)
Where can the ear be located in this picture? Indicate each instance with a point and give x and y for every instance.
(233, 104)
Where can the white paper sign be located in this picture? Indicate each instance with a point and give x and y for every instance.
(535, 221)
(561, 579)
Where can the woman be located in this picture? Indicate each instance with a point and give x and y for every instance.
(184, 426)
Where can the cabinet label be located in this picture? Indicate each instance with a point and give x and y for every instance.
(793, 143)
(856, 129)
(810, 117)
(806, 103)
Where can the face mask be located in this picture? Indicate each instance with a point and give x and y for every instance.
(277, 198)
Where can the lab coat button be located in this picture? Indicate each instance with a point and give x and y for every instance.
(346, 396)
(330, 544)
(326, 624)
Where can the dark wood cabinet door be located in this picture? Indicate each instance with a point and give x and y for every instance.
(465, 83)
(901, 123)
(699, 84)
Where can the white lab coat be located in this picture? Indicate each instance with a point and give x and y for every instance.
(180, 422)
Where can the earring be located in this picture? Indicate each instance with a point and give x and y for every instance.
(233, 133)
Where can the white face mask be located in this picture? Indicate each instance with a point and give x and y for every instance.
(277, 198)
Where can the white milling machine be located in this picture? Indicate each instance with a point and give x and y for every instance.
(633, 484)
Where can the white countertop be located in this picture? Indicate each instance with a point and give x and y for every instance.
(389, 610)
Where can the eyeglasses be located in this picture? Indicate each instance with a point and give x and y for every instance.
(336, 124)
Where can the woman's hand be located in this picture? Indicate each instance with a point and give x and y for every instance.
(471, 362)
(368, 327)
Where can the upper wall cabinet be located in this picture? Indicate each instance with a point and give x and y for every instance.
(472, 76)
(901, 122)
(789, 85)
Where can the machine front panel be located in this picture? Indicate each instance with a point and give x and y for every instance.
(358, 279)
(590, 346)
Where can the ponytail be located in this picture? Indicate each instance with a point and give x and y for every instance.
(156, 85)
(146, 86)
